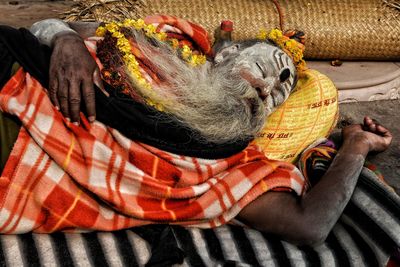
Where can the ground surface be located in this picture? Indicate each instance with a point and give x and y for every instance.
(387, 112)
(24, 13)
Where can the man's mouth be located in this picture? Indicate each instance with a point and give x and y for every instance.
(253, 105)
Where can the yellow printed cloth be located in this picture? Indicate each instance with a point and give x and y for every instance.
(311, 112)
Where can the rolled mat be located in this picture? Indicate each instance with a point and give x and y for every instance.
(335, 29)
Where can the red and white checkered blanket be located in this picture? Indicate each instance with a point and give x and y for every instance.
(188, 33)
(90, 177)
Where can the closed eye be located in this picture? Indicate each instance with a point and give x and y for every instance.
(262, 71)
(284, 76)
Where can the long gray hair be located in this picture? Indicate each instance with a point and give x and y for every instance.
(212, 99)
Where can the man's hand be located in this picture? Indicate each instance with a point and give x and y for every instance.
(373, 135)
(72, 72)
(290, 217)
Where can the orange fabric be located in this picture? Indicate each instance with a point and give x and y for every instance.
(90, 177)
(191, 34)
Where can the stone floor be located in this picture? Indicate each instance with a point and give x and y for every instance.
(387, 112)
(23, 13)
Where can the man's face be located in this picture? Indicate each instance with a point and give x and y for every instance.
(266, 68)
(228, 100)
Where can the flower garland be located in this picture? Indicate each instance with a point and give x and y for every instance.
(150, 31)
(124, 46)
(129, 59)
(293, 48)
(190, 57)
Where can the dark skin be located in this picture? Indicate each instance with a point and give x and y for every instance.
(309, 219)
(72, 73)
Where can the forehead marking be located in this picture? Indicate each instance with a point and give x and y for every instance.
(276, 58)
(281, 58)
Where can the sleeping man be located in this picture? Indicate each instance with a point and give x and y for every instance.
(164, 137)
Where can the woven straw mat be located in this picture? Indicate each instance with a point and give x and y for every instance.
(335, 29)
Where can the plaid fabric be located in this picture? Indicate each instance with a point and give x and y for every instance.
(185, 31)
(315, 160)
(366, 235)
(90, 177)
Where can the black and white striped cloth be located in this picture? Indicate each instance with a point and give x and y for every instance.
(366, 235)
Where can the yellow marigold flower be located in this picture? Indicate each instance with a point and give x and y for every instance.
(262, 35)
(128, 22)
(121, 42)
(101, 31)
(186, 52)
(117, 34)
(147, 85)
(192, 62)
(203, 59)
(141, 82)
(130, 62)
(112, 27)
(175, 43)
(162, 36)
(199, 59)
(150, 102)
(275, 34)
(291, 44)
(150, 30)
(124, 46)
(135, 72)
(140, 23)
(159, 107)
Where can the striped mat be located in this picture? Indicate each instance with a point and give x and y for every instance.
(367, 233)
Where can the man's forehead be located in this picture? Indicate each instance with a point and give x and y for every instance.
(261, 52)
(259, 48)
(244, 52)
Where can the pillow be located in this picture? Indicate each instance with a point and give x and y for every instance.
(310, 112)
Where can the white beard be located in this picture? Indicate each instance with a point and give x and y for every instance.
(214, 100)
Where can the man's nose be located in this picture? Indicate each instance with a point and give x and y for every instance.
(262, 92)
(265, 86)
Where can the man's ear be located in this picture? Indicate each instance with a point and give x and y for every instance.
(226, 51)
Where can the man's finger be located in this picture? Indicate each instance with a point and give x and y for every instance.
(53, 85)
(62, 95)
(383, 131)
(372, 127)
(370, 124)
(74, 99)
(89, 98)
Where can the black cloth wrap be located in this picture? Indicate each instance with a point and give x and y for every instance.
(123, 114)
(134, 120)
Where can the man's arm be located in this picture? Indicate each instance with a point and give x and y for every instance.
(49, 29)
(73, 71)
(84, 29)
(308, 221)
